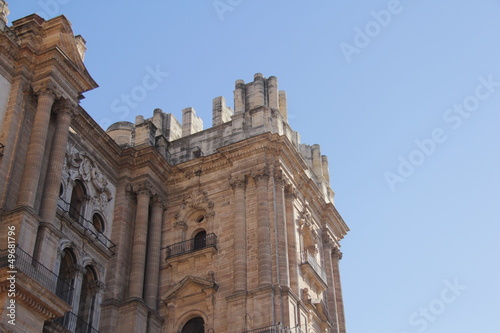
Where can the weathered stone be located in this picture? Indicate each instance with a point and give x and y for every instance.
(155, 225)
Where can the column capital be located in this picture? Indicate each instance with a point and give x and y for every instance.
(143, 189)
(279, 177)
(238, 182)
(261, 175)
(65, 106)
(290, 190)
(46, 89)
(158, 200)
(328, 243)
(336, 254)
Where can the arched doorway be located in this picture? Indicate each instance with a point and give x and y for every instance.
(195, 325)
(200, 240)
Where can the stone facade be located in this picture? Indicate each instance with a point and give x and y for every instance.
(157, 225)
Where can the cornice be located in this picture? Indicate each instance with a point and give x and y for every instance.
(56, 58)
(8, 46)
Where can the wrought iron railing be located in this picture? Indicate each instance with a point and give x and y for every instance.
(307, 258)
(191, 245)
(75, 216)
(73, 323)
(19, 260)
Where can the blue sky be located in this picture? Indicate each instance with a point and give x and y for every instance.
(403, 97)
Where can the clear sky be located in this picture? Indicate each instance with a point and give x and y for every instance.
(403, 97)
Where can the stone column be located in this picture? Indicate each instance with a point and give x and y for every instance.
(293, 261)
(284, 278)
(36, 148)
(58, 151)
(138, 260)
(330, 291)
(263, 229)
(336, 256)
(47, 238)
(240, 234)
(153, 259)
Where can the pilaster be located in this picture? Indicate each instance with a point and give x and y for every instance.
(139, 246)
(238, 184)
(263, 228)
(292, 245)
(153, 258)
(330, 291)
(336, 256)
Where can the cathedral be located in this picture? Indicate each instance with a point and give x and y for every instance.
(160, 225)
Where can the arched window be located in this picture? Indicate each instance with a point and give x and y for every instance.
(195, 325)
(77, 201)
(200, 240)
(98, 222)
(87, 297)
(66, 276)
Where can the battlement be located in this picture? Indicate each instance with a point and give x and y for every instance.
(259, 107)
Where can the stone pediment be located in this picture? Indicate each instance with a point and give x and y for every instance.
(190, 286)
(57, 55)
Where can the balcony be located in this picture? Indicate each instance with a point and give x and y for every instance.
(191, 245)
(310, 267)
(73, 323)
(82, 223)
(21, 261)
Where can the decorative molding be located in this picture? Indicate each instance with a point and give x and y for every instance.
(180, 225)
(196, 199)
(80, 166)
(336, 254)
